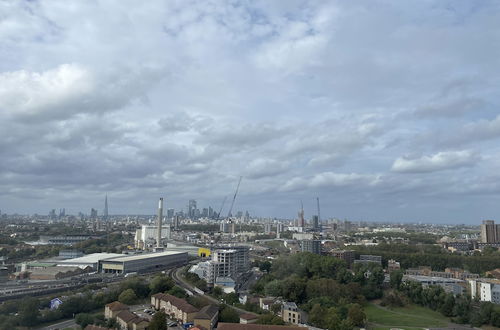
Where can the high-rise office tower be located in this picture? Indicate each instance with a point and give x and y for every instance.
(315, 222)
(490, 232)
(192, 209)
(300, 219)
(105, 212)
(93, 213)
(170, 213)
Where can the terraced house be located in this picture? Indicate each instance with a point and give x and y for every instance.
(175, 307)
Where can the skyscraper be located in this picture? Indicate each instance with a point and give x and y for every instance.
(105, 212)
(300, 219)
(315, 222)
(192, 209)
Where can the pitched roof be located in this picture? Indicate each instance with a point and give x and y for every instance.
(181, 304)
(253, 326)
(117, 306)
(207, 312)
(126, 316)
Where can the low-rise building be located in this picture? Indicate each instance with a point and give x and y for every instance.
(207, 317)
(367, 259)
(393, 265)
(451, 285)
(112, 309)
(175, 307)
(485, 290)
(248, 318)
(347, 255)
(290, 313)
(143, 262)
(129, 321)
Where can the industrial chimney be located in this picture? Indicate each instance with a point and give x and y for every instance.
(160, 219)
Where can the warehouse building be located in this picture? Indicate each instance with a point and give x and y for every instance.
(143, 262)
(90, 260)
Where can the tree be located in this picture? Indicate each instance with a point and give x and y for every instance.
(275, 308)
(228, 315)
(317, 316)
(138, 285)
(160, 283)
(128, 297)
(265, 266)
(273, 288)
(84, 319)
(495, 318)
(356, 315)
(231, 298)
(446, 307)
(217, 291)
(178, 292)
(158, 322)
(269, 318)
(28, 312)
(395, 279)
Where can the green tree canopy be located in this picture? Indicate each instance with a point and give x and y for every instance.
(128, 297)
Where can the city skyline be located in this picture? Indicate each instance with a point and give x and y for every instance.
(387, 111)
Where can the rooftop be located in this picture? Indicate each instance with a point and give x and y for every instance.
(91, 258)
(144, 256)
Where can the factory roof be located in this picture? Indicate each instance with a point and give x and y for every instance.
(53, 270)
(90, 258)
(144, 256)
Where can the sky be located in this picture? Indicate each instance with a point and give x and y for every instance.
(385, 110)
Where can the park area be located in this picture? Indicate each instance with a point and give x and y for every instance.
(409, 317)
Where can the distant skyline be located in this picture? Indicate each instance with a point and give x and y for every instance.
(385, 110)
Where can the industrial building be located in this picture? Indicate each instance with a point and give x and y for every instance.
(145, 237)
(143, 262)
(90, 260)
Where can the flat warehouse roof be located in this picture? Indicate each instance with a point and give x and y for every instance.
(146, 256)
(91, 258)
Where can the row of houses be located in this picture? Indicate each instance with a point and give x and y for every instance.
(124, 317)
(184, 312)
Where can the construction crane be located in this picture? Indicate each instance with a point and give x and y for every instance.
(319, 218)
(221, 207)
(234, 197)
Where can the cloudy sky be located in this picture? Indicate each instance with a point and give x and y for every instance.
(385, 110)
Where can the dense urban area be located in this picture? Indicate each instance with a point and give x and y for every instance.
(196, 269)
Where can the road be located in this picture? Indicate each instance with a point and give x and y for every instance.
(175, 274)
(61, 325)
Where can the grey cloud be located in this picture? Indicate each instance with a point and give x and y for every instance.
(301, 98)
(437, 162)
(70, 89)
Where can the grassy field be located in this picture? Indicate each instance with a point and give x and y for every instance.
(410, 317)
